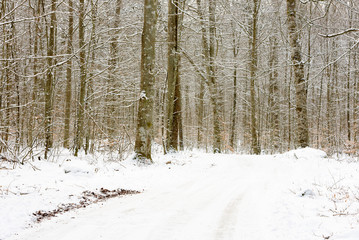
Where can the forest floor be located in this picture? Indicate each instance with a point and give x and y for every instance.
(298, 195)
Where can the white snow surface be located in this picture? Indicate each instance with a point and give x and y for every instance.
(298, 195)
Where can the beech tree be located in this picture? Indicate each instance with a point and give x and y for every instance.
(49, 86)
(82, 91)
(253, 76)
(144, 132)
(68, 94)
(299, 78)
(172, 77)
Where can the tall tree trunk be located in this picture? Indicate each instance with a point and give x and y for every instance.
(200, 133)
(274, 96)
(176, 140)
(349, 77)
(208, 47)
(49, 86)
(17, 87)
(36, 81)
(234, 104)
(253, 78)
(144, 131)
(217, 129)
(89, 105)
(298, 68)
(200, 115)
(81, 102)
(112, 87)
(348, 98)
(234, 109)
(6, 78)
(172, 75)
(68, 92)
(288, 78)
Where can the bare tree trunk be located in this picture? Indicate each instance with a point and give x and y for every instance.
(36, 81)
(17, 90)
(6, 81)
(253, 78)
(172, 76)
(348, 88)
(349, 77)
(177, 131)
(200, 133)
(68, 92)
(217, 129)
(81, 102)
(288, 78)
(208, 46)
(234, 104)
(112, 87)
(234, 109)
(274, 96)
(298, 68)
(200, 116)
(89, 105)
(49, 86)
(144, 131)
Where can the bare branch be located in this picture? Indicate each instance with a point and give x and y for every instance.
(339, 33)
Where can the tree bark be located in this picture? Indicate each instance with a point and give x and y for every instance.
(82, 94)
(113, 88)
(298, 68)
(274, 96)
(217, 129)
(68, 92)
(208, 47)
(49, 87)
(144, 131)
(253, 78)
(172, 76)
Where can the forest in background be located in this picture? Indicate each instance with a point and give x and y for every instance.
(70, 75)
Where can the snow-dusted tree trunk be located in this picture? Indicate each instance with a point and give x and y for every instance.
(81, 102)
(144, 131)
(298, 68)
(112, 86)
(209, 52)
(235, 47)
(274, 101)
(213, 85)
(68, 92)
(253, 77)
(49, 86)
(172, 75)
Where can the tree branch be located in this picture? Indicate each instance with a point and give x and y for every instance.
(339, 33)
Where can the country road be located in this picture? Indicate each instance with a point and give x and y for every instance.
(220, 198)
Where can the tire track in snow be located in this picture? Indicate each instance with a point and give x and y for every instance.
(227, 223)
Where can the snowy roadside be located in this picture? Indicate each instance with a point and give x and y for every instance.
(323, 198)
(313, 197)
(45, 185)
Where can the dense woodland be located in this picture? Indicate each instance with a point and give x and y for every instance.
(220, 75)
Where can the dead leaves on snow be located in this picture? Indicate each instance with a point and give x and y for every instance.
(88, 197)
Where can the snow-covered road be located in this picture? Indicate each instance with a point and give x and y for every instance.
(220, 197)
(223, 200)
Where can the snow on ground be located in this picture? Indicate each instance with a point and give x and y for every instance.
(299, 195)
